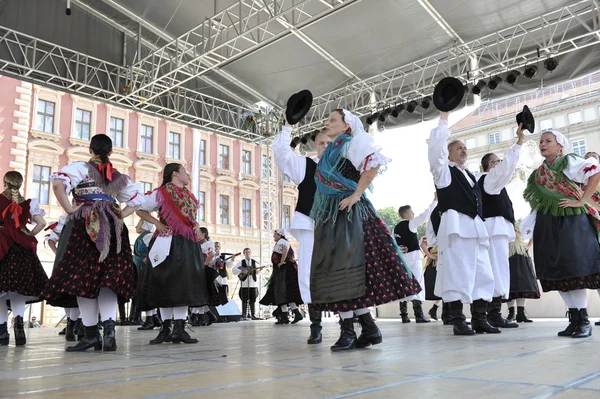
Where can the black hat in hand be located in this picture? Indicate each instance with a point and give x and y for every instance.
(448, 94)
(298, 106)
(526, 118)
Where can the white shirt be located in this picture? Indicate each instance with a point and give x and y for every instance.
(280, 245)
(452, 222)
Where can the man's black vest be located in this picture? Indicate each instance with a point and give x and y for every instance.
(496, 205)
(460, 196)
(253, 264)
(406, 237)
(307, 189)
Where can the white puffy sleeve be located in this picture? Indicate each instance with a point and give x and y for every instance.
(150, 202)
(580, 170)
(131, 194)
(497, 179)
(286, 159)
(34, 208)
(438, 155)
(280, 245)
(364, 154)
(208, 247)
(71, 175)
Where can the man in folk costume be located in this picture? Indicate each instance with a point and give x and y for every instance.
(499, 222)
(465, 274)
(405, 233)
(301, 170)
(248, 270)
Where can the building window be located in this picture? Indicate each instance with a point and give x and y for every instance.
(223, 156)
(266, 215)
(546, 125)
(146, 139)
(575, 118)
(201, 212)
(44, 121)
(286, 217)
(147, 187)
(202, 152)
(471, 143)
(589, 114)
(174, 145)
(83, 124)
(224, 209)
(494, 138)
(579, 147)
(246, 212)
(41, 183)
(116, 131)
(246, 162)
(266, 167)
(559, 121)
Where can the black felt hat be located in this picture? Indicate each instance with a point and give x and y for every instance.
(298, 106)
(448, 94)
(526, 118)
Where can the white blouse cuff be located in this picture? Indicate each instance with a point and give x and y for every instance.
(136, 200)
(65, 179)
(374, 160)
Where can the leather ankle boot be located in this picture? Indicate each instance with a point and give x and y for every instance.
(283, 318)
(404, 312)
(297, 316)
(347, 339)
(4, 335)
(479, 322)
(165, 334)
(19, 327)
(446, 314)
(109, 339)
(70, 333)
(148, 324)
(584, 328)
(511, 314)
(180, 335)
(370, 334)
(458, 319)
(494, 315)
(90, 339)
(418, 311)
(433, 312)
(315, 326)
(573, 322)
(521, 317)
(79, 329)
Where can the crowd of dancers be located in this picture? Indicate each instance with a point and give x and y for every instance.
(348, 261)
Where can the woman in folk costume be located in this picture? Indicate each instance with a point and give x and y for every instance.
(178, 280)
(564, 226)
(284, 289)
(22, 277)
(93, 260)
(140, 258)
(215, 298)
(523, 282)
(429, 276)
(74, 330)
(357, 263)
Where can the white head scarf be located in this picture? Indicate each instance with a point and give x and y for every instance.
(355, 124)
(147, 226)
(562, 140)
(280, 231)
(362, 144)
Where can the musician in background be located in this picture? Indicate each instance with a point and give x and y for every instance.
(247, 271)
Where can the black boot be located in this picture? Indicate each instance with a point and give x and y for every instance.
(165, 334)
(573, 321)
(347, 339)
(79, 329)
(212, 318)
(479, 322)
(458, 319)
(446, 314)
(148, 324)
(597, 323)
(315, 326)
(584, 328)
(521, 318)
(122, 316)
(109, 341)
(4, 335)
(91, 339)
(418, 311)
(494, 315)
(253, 311)
(283, 318)
(277, 314)
(404, 312)
(64, 330)
(70, 333)
(180, 335)
(433, 312)
(195, 320)
(19, 327)
(156, 320)
(511, 313)
(370, 334)
(297, 316)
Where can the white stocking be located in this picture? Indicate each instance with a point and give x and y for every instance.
(3, 310)
(107, 304)
(346, 315)
(293, 306)
(566, 296)
(521, 302)
(579, 299)
(437, 303)
(166, 313)
(17, 304)
(284, 308)
(180, 312)
(89, 311)
(511, 304)
(72, 313)
(362, 311)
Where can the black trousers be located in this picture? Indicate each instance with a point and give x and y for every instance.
(248, 297)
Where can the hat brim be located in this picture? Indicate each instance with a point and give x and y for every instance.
(448, 94)
(526, 118)
(298, 106)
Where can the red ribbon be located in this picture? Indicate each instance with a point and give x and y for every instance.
(107, 169)
(51, 227)
(16, 212)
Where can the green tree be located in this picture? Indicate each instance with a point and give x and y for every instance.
(390, 216)
(421, 230)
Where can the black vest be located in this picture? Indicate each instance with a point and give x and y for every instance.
(406, 237)
(307, 189)
(496, 205)
(435, 219)
(460, 196)
(253, 264)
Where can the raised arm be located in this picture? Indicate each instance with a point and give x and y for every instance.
(422, 218)
(286, 159)
(438, 153)
(501, 175)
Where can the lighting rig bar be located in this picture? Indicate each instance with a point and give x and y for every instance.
(558, 32)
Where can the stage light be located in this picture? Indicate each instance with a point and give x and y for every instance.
(478, 87)
(295, 142)
(372, 118)
(512, 77)
(494, 82)
(550, 64)
(410, 108)
(426, 102)
(383, 116)
(397, 110)
(530, 71)
(305, 138)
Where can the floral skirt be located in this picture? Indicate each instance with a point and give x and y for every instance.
(21, 271)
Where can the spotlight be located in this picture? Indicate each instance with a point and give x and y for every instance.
(410, 108)
(295, 142)
(530, 71)
(494, 82)
(380, 126)
(385, 114)
(397, 110)
(512, 77)
(478, 87)
(426, 102)
(305, 138)
(372, 118)
(550, 64)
